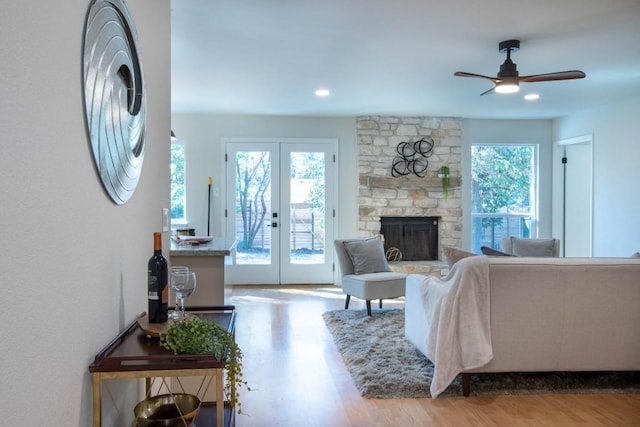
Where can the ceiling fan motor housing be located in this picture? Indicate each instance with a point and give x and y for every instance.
(508, 67)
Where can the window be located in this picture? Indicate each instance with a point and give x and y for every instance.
(178, 199)
(504, 193)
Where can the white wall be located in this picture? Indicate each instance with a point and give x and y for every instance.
(616, 174)
(513, 132)
(203, 136)
(73, 264)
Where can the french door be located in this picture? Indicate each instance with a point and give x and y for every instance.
(280, 208)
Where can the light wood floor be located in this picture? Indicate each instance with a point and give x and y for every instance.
(298, 378)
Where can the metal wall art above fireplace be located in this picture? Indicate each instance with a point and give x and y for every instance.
(415, 236)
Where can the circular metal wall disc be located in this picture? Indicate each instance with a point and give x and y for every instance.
(114, 97)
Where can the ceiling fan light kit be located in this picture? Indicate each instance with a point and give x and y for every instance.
(508, 79)
(507, 87)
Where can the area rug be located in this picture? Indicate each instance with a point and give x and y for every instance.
(383, 364)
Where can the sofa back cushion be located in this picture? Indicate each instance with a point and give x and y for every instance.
(486, 250)
(531, 247)
(453, 255)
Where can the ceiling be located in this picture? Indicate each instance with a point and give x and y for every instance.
(382, 57)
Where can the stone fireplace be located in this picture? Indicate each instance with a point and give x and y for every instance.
(380, 194)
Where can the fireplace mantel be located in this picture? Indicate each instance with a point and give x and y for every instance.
(407, 182)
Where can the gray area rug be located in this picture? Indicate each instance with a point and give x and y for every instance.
(383, 364)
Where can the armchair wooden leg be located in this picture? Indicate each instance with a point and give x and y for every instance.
(466, 384)
(369, 307)
(346, 304)
(380, 302)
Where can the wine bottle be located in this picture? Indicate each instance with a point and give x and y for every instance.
(157, 283)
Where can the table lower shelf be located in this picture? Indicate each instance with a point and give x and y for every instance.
(207, 415)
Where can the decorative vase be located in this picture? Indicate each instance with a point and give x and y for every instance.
(443, 174)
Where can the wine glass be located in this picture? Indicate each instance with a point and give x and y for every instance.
(183, 283)
(175, 314)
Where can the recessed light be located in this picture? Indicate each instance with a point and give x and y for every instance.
(323, 92)
(531, 96)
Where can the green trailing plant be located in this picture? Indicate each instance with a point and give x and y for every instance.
(197, 335)
(444, 176)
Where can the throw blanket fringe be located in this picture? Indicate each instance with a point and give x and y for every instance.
(459, 333)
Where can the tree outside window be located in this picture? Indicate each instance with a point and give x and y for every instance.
(178, 200)
(253, 180)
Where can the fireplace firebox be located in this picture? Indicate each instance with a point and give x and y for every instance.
(415, 237)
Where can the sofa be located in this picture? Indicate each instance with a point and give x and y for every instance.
(541, 314)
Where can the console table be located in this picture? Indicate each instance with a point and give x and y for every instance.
(133, 354)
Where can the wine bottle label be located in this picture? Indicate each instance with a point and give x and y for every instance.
(153, 295)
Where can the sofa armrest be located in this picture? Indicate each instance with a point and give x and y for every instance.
(415, 318)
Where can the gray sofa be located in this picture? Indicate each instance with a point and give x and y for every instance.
(549, 314)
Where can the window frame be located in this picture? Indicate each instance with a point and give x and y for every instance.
(534, 196)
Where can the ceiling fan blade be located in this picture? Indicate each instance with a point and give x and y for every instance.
(561, 75)
(465, 74)
(492, 90)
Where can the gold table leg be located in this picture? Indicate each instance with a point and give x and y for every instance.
(219, 398)
(97, 400)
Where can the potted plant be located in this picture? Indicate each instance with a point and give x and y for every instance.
(443, 174)
(197, 335)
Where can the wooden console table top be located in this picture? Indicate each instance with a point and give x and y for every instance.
(134, 350)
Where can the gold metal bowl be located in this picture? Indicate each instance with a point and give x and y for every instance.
(164, 410)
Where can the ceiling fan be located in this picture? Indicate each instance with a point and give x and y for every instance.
(508, 80)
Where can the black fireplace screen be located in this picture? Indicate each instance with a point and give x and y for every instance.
(415, 237)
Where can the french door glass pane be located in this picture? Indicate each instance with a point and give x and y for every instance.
(503, 193)
(178, 201)
(307, 203)
(253, 207)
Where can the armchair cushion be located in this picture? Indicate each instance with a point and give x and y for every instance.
(367, 255)
(370, 286)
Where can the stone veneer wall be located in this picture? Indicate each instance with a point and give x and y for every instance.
(380, 194)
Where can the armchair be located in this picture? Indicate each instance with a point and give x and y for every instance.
(365, 272)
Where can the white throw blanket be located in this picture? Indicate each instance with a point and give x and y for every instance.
(459, 334)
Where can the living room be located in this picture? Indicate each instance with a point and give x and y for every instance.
(75, 262)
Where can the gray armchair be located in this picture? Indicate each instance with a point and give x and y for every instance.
(365, 272)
